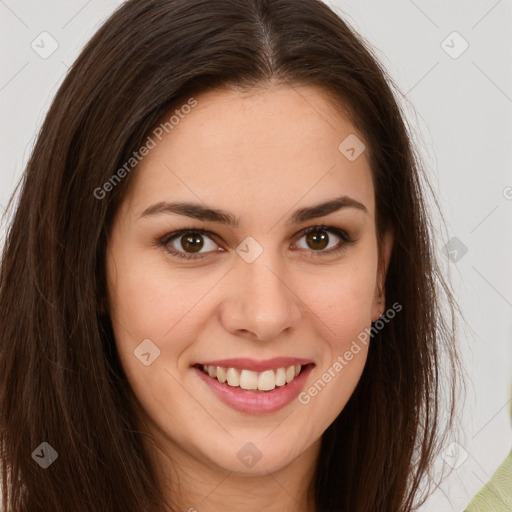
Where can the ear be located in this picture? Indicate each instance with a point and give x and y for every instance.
(379, 300)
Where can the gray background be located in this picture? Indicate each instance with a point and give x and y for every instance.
(460, 114)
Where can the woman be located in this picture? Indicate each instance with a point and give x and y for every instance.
(219, 289)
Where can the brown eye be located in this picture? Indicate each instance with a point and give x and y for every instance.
(324, 240)
(317, 240)
(189, 244)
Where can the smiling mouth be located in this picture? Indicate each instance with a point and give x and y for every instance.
(254, 381)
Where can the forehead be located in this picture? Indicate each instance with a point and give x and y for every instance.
(255, 153)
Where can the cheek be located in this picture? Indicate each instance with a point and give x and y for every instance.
(143, 300)
(343, 320)
(344, 304)
(342, 299)
(146, 305)
(342, 307)
(147, 301)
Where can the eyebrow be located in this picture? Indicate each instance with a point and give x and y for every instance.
(197, 211)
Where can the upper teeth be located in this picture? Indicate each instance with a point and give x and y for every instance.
(247, 379)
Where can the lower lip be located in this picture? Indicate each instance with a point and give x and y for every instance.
(254, 401)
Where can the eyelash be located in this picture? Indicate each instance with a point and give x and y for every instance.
(346, 240)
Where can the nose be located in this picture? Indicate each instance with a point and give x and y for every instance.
(260, 301)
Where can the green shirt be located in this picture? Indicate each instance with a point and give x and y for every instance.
(496, 494)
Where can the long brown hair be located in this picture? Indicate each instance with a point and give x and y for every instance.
(61, 379)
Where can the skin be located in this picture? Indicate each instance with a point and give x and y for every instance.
(259, 155)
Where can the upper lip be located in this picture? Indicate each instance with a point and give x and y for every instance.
(242, 363)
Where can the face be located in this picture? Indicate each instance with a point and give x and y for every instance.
(248, 277)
